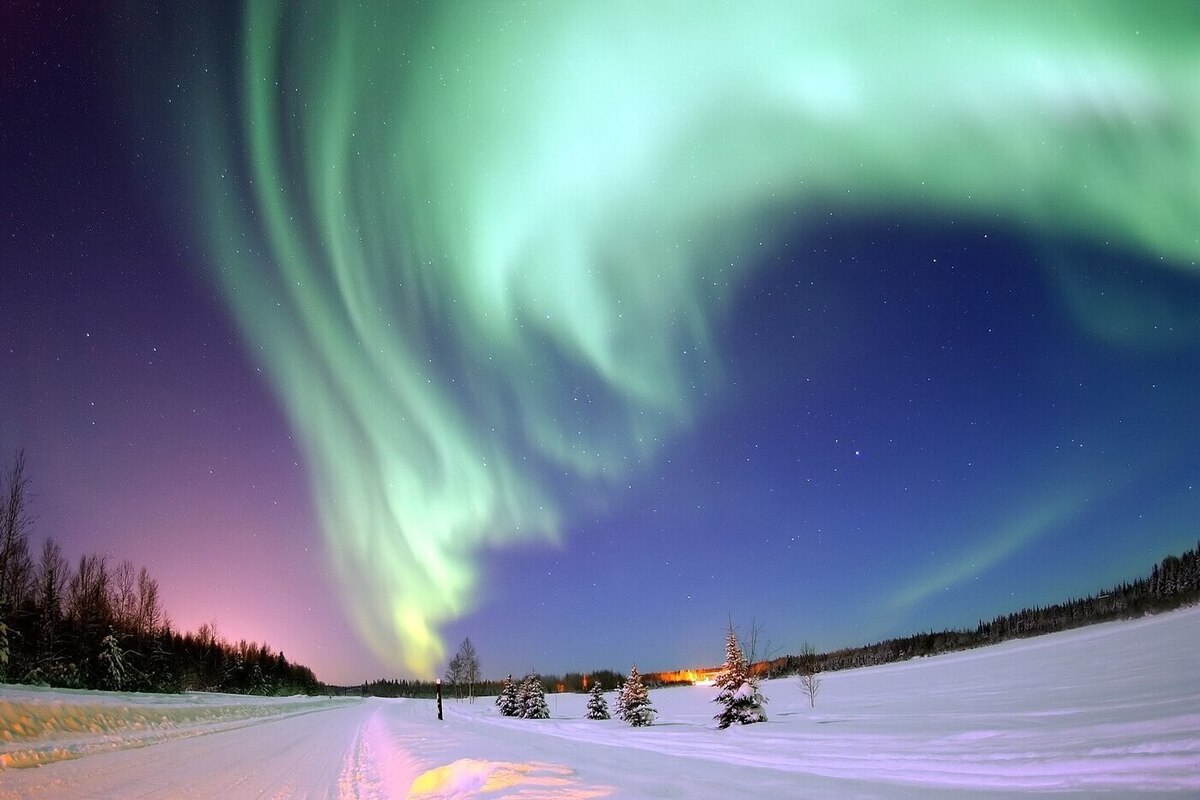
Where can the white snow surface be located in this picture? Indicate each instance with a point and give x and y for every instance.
(1109, 710)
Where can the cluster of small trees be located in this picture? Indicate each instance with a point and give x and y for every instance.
(526, 700)
(97, 626)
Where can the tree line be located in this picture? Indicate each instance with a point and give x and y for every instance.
(100, 625)
(1172, 583)
(571, 682)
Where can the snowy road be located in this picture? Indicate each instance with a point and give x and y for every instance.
(1110, 710)
(373, 749)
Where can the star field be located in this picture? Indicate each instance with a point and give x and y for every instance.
(581, 330)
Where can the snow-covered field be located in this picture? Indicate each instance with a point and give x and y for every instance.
(1109, 710)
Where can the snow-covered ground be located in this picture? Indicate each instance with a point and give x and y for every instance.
(1108, 710)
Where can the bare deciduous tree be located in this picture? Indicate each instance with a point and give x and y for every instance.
(124, 595)
(750, 650)
(149, 616)
(16, 567)
(454, 673)
(810, 679)
(463, 670)
(470, 666)
(89, 605)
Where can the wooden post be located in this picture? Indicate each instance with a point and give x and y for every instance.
(439, 695)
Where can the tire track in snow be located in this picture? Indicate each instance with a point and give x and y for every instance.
(377, 767)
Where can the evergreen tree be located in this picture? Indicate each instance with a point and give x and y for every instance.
(532, 699)
(738, 692)
(507, 699)
(113, 659)
(258, 681)
(633, 705)
(597, 707)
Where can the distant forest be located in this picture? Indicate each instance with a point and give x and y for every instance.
(571, 682)
(100, 626)
(1173, 583)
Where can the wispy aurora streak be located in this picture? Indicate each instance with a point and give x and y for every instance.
(480, 247)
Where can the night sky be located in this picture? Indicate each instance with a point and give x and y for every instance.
(582, 330)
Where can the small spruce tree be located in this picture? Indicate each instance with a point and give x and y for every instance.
(738, 694)
(597, 707)
(258, 681)
(507, 700)
(533, 705)
(522, 696)
(633, 705)
(113, 659)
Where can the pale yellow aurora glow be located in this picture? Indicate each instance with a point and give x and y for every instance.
(479, 247)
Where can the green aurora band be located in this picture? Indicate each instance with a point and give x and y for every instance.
(480, 247)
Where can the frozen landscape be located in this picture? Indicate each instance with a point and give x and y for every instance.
(1110, 710)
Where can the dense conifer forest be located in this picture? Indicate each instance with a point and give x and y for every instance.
(100, 625)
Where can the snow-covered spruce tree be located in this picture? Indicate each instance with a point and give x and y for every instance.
(522, 696)
(113, 658)
(597, 707)
(738, 693)
(634, 706)
(507, 700)
(534, 703)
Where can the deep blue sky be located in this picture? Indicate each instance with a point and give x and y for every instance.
(917, 419)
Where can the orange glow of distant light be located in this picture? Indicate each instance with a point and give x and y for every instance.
(696, 677)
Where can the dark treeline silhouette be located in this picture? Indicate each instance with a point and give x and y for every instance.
(1173, 583)
(415, 688)
(571, 682)
(98, 626)
(581, 682)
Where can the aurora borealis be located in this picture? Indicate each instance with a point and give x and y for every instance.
(572, 309)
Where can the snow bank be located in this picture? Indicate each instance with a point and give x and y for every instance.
(39, 726)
